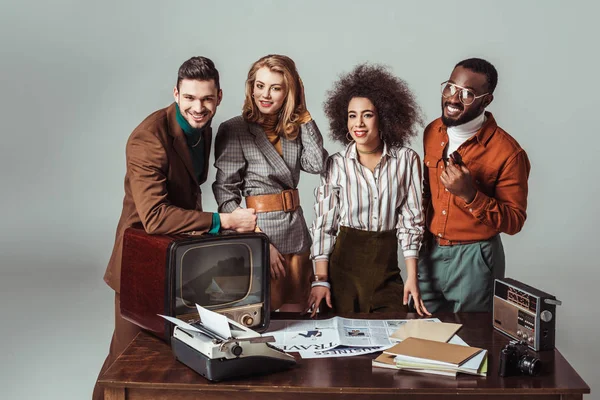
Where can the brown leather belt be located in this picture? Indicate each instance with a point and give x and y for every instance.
(446, 242)
(288, 201)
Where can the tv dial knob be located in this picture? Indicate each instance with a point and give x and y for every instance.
(530, 340)
(546, 316)
(519, 333)
(247, 320)
(525, 336)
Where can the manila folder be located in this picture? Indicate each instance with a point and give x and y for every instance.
(435, 352)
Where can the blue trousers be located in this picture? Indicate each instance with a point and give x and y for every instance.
(460, 278)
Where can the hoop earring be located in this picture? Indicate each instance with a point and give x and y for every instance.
(349, 139)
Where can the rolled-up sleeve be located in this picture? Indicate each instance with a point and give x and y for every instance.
(326, 223)
(312, 159)
(410, 226)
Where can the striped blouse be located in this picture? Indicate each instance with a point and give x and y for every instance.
(385, 199)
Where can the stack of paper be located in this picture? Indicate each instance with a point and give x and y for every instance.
(429, 356)
(388, 361)
(425, 329)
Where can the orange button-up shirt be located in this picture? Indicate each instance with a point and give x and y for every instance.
(499, 168)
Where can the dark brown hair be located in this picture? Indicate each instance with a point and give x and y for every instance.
(198, 68)
(482, 66)
(398, 112)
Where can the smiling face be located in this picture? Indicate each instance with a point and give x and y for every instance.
(454, 112)
(269, 91)
(363, 123)
(197, 100)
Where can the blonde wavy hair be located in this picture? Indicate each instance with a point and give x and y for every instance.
(294, 103)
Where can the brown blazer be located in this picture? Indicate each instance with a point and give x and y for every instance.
(161, 190)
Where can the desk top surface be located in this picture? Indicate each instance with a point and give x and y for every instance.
(149, 362)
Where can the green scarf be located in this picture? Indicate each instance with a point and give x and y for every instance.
(186, 127)
(193, 138)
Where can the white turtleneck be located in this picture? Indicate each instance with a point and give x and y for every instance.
(459, 134)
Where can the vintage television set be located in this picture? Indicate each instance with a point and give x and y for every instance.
(162, 274)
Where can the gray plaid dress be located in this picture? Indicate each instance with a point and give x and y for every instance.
(248, 165)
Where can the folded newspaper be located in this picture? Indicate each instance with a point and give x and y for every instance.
(335, 337)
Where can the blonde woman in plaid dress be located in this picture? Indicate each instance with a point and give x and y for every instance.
(259, 156)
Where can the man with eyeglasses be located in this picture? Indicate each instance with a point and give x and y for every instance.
(475, 187)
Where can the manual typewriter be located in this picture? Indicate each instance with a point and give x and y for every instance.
(219, 358)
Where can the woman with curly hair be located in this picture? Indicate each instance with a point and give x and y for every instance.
(258, 156)
(369, 198)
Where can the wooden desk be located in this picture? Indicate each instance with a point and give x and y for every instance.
(148, 370)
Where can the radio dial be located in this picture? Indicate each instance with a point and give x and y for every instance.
(546, 316)
(519, 333)
(531, 339)
(247, 320)
(524, 336)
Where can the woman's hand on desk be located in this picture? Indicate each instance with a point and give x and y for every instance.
(411, 287)
(317, 293)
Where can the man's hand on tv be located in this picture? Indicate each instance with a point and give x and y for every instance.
(240, 220)
(277, 260)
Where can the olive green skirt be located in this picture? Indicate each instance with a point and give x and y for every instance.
(363, 272)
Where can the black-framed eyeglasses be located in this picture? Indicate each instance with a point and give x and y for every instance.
(466, 96)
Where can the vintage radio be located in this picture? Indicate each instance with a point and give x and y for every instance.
(227, 273)
(525, 313)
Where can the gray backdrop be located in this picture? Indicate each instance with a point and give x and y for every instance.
(77, 77)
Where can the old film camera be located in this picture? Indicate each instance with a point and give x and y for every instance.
(515, 360)
(524, 313)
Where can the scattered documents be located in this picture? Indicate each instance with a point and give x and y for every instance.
(425, 345)
(426, 329)
(385, 360)
(440, 358)
(415, 350)
(334, 337)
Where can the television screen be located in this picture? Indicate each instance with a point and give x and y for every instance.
(219, 274)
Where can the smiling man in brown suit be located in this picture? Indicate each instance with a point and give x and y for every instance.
(167, 160)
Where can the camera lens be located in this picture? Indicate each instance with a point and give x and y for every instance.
(529, 365)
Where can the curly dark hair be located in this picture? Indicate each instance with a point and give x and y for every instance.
(398, 112)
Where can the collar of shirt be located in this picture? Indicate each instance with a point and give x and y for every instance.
(460, 133)
(484, 134)
(352, 153)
